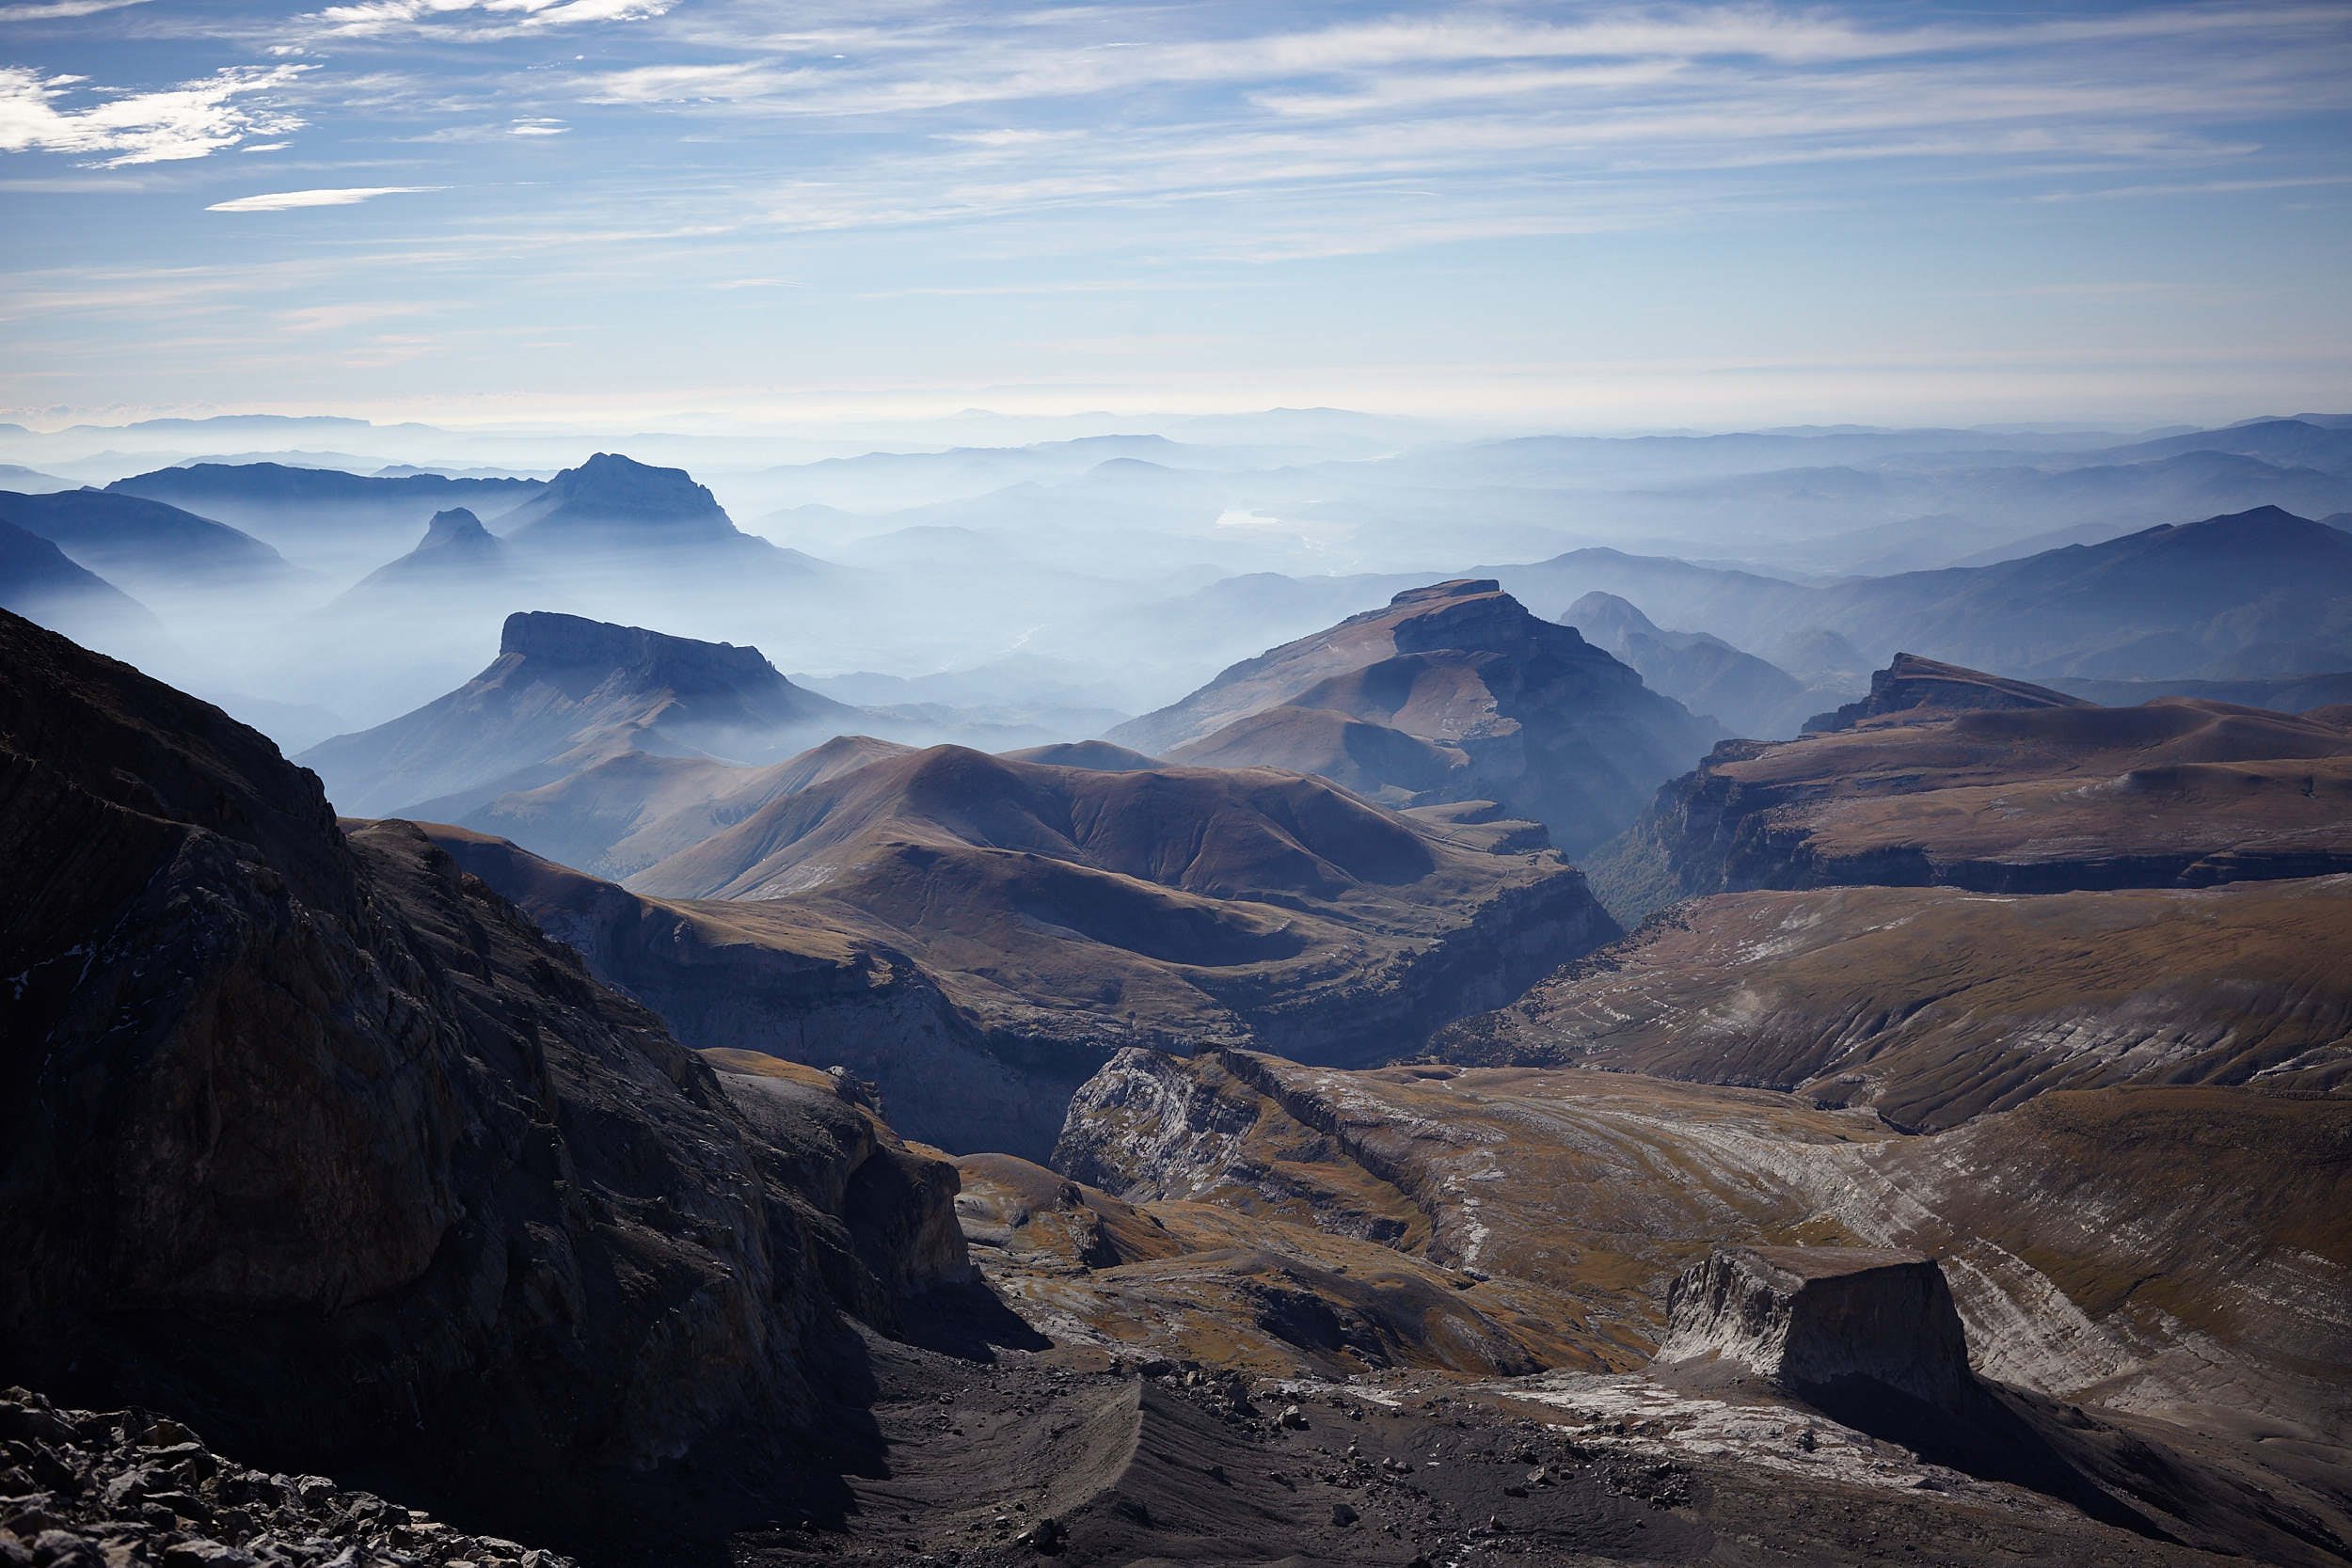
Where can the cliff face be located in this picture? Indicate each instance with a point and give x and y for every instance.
(313, 1139)
(1819, 1316)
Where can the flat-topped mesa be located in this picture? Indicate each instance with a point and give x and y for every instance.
(1910, 684)
(548, 637)
(1473, 613)
(1822, 1318)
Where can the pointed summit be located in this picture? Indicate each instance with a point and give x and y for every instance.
(457, 555)
(456, 528)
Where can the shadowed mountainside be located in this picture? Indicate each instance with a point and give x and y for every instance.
(149, 547)
(276, 1099)
(40, 582)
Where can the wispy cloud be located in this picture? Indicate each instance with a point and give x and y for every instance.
(211, 114)
(470, 19)
(58, 10)
(280, 201)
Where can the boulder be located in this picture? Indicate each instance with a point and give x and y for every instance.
(1822, 1318)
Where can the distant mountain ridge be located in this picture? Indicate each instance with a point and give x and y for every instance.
(1702, 672)
(40, 582)
(563, 693)
(149, 546)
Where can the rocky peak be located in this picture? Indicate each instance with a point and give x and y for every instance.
(1474, 613)
(612, 482)
(678, 663)
(455, 528)
(1910, 684)
(1816, 1318)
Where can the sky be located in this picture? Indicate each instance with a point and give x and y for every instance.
(763, 212)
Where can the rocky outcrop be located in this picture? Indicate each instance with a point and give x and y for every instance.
(1911, 685)
(314, 1140)
(79, 1488)
(1812, 1317)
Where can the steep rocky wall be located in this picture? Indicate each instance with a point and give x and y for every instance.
(318, 1142)
(1818, 1317)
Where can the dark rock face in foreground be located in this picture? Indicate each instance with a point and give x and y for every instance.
(82, 1488)
(314, 1141)
(1822, 1317)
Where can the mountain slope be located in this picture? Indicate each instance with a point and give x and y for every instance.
(1912, 686)
(38, 582)
(1057, 914)
(565, 693)
(618, 817)
(1479, 699)
(612, 506)
(153, 549)
(1704, 673)
(2212, 1304)
(1931, 1005)
(311, 1139)
(2257, 592)
(457, 554)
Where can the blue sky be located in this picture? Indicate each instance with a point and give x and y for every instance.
(1592, 216)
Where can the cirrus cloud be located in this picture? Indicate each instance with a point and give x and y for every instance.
(344, 195)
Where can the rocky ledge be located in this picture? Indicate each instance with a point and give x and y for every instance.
(1815, 1318)
(101, 1489)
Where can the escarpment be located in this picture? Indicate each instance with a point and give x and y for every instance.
(310, 1137)
(1998, 788)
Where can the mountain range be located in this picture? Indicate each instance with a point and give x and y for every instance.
(152, 549)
